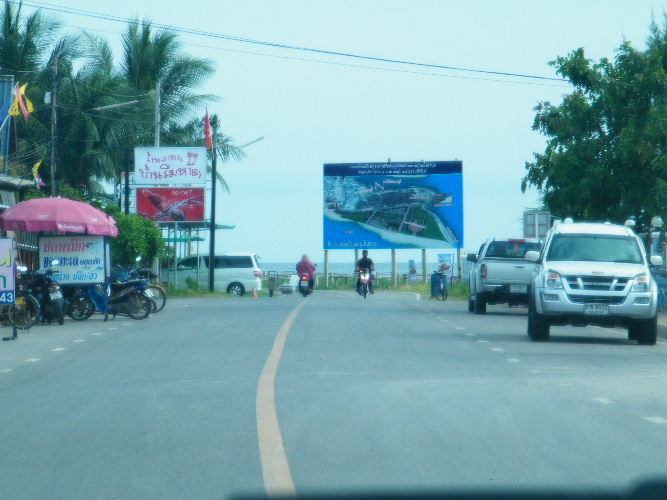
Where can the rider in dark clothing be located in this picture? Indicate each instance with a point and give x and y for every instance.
(365, 263)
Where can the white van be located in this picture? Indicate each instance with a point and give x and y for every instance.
(235, 273)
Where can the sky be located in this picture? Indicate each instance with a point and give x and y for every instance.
(313, 108)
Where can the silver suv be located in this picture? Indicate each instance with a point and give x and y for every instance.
(593, 274)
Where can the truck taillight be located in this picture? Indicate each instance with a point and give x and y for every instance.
(482, 271)
(258, 274)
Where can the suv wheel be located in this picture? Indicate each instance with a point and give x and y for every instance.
(480, 303)
(538, 325)
(645, 332)
(236, 288)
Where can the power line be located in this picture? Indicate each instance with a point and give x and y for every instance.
(108, 17)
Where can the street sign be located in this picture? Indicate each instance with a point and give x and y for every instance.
(7, 283)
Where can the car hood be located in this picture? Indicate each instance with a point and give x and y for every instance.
(596, 269)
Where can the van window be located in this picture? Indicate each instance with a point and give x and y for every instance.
(233, 261)
(187, 264)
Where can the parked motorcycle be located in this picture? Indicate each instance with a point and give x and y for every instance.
(155, 293)
(48, 293)
(304, 284)
(126, 298)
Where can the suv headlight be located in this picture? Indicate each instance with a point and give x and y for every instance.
(552, 280)
(640, 283)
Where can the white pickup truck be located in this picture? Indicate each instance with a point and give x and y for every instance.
(500, 274)
(593, 274)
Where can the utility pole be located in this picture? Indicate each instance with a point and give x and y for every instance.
(156, 143)
(127, 181)
(211, 238)
(53, 125)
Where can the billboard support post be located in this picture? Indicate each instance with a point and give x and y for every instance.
(211, 246)
(394, 274)
(326, 268)
(458, 265)
(424, 265)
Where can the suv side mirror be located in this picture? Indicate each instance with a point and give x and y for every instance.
(532, 255)
(471, 257)
(656, 260)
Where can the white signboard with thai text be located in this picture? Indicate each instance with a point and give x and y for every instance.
(170, 166)
(80, 258)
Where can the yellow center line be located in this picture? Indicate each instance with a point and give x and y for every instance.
(275, 468)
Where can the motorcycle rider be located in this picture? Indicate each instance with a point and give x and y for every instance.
(307, 267)
(365, 263)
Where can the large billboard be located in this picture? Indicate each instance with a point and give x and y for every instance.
(393, 205)
(171, 204)
(170, 166)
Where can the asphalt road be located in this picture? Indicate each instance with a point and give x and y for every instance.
(391, 393)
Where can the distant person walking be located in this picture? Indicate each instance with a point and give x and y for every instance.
(305, 266)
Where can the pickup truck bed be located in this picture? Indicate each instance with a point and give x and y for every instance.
(501, 275)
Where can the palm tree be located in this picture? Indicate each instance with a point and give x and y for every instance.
(24, 41)
(151, 57)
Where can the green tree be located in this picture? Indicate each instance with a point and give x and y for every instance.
(605, 154)
(137, 237)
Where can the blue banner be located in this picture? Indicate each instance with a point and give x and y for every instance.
(393, 205)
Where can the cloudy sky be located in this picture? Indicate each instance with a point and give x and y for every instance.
(313, 108)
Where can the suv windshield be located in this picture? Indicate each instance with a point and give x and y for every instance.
(511, 249)
(596, 248)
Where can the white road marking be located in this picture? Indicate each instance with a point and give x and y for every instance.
(33, 360)
(6, 370)
(656, 420)
(483, 341)
(497, 349)
(126, 324)
(113, 328)
(58, 349)
(185, 305)
(471, 335)
(514, 360)
(604, 401)
(460, 328)
(78, 340)
(97, 333)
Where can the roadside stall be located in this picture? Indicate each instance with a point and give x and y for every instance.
(71, 232)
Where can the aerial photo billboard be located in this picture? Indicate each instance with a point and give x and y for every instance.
(393, 205)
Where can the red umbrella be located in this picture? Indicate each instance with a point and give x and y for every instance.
(57, 214)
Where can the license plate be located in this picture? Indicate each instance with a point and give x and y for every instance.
(148, 292)
(56, 295)
(596, 309)
(518, 288)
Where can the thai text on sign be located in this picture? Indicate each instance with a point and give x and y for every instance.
(170, 166)
(80, 258)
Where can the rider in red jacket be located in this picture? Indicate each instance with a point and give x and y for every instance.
(307, 267)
